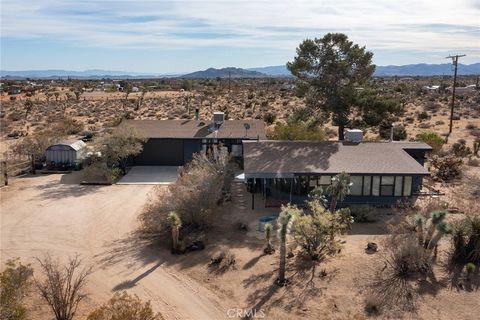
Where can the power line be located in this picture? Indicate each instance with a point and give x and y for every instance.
(455, 64)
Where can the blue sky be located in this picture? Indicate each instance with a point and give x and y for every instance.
(158, 36)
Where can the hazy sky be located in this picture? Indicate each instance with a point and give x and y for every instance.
(176, 36)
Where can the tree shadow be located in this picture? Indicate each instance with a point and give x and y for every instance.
(253, 262)
(55, 190)
(132, 283)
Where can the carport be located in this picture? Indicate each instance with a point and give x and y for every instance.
(151, 175)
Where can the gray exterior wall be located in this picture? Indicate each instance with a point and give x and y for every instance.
(175, 152)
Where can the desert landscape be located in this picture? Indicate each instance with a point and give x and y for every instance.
(54, 214)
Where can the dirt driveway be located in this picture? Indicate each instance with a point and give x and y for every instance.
(41, 214)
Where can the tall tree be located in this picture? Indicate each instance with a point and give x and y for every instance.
(332, 67)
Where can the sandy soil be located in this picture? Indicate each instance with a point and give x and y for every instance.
(50, 214)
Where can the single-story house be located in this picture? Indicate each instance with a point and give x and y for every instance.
(66, 152)
(173, 142)
(381, 172)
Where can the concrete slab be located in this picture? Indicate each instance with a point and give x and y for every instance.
(151, 175)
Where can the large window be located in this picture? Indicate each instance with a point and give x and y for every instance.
(387, 185)
(367, 185)
(376, 186)
(407, 186)
(398, 186)
(324, 180)
(356, 188)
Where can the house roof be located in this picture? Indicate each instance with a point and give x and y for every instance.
(286, 158)
(74, 144)
(232, 129)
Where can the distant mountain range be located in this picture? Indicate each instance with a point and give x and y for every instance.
(271, 71)
(421, 69)
(225, 73)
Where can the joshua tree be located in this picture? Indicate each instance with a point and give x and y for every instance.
(419, 221)
(284, 220)
(338, 189)
(57, 95)
(268, 234)
(442, 228)
(28, 107)
(436, 217)
(175, 224)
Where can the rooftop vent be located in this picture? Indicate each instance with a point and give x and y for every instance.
(354, 135)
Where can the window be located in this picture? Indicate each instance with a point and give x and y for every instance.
(398, 186)
(367, 184)
(386, 185)
(313, 181)
(407, 186)
(356, 188)
(325, 180)
(376, 186)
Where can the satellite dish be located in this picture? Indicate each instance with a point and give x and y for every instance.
(247, 127)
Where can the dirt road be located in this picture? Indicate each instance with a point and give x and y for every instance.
(47, 214)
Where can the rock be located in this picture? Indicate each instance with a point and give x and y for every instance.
(372, 247)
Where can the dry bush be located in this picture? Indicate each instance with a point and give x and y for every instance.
(223, 261)
(446, 167)
(195, 196)
(393, 286)
(14, 286)
(62, 287)
(124, 307)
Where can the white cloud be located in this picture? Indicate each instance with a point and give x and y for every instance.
(410, 25)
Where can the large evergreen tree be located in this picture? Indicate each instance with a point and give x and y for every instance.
(332, 67)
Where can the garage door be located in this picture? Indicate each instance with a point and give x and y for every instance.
(161, 152)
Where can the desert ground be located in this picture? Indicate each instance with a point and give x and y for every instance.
(54, 214)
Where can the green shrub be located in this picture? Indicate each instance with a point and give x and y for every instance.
(432, 139)
(15, 282)
(297, 131)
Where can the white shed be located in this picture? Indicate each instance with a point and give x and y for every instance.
(66, 152)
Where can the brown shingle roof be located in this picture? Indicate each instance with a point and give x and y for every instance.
(277, 158)
(233, 129)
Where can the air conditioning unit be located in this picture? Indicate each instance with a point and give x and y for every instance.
(354, 135)
(218, 118)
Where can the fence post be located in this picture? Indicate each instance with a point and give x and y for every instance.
(5, 173)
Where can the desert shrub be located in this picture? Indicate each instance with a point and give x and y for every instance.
(446, 167)
(223, 261)
(99, 171)
(316, 230)
(423, 116)
(67, 126)
(297, 131)
(473, 162)
(471, 126)
(200, 188)
(460, 149)
(404, 264)
(269, 117)
(15, 116)
(364, 213)
(62, 288)
(15, 282)
(432, 139)
(123, 306)
(439, 122)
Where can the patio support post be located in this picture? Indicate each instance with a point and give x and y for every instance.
(291, 187)
(253, 201)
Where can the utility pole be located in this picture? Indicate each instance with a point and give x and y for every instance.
(455, 63)
(229, 79)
